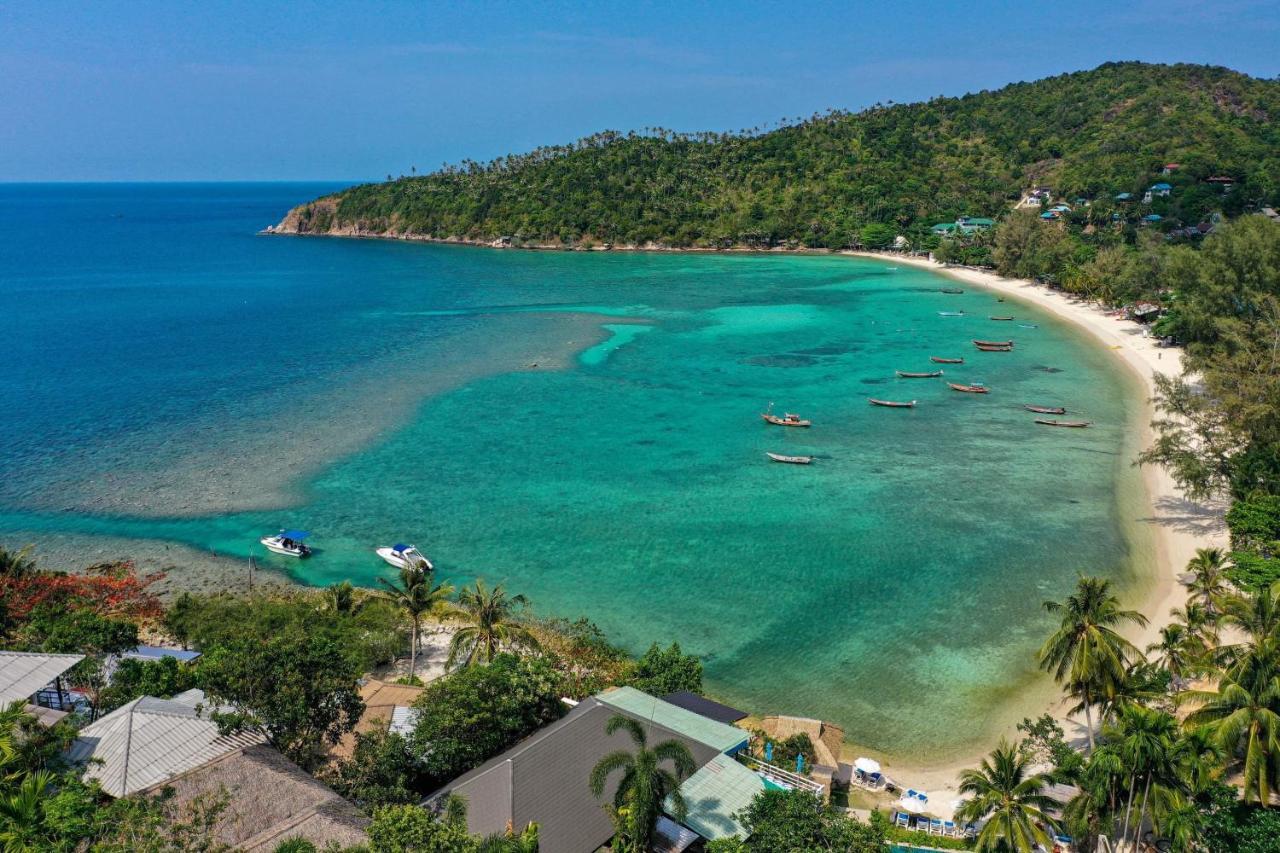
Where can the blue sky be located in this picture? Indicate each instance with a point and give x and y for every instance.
(336, 90)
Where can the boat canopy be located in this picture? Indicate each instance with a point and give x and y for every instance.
(295, 535)
(400, 547)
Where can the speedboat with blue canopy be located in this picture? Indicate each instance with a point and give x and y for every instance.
(288, 542)
(405, 557)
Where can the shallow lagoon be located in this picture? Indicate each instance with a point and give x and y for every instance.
(583, 426)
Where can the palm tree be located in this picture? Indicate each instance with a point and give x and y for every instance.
(417, 596)
(1086, 653)
(491, 626)
(1178, 652)
(1243, 716)
(16, 564)
(1209, 584)
(22, 817)
(1201, 625)
(1144, 739)
(1012, 801)
(645, 784)
(341, 598)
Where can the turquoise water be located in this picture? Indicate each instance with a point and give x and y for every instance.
(582, 426)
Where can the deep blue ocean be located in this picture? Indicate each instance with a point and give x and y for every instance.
(582, 426)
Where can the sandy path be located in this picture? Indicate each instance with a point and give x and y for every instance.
(1178, 526)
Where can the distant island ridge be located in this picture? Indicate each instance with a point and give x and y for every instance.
(1103, 136)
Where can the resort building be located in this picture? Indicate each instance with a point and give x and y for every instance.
(963, 225)
(1169, 168)
(36, 680)
(154, 744)
(1160, 190)
(543, 778)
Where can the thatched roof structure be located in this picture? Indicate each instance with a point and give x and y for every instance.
(271, 800)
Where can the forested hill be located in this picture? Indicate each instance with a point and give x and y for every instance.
(1089, 134)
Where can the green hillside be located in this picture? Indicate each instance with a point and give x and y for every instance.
(1092, 134)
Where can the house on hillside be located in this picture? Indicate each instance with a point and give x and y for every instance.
(1170, 168)
(1160, 190)
(963, 225)
(1122, 197)
(155, 744)
(543, 779)
(1152, 218)
(1222, 181)
(36, 679)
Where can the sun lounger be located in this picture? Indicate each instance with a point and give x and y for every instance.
(949, 828)
(935, 826)
(875, 779)
(912, 792)
(903, 820)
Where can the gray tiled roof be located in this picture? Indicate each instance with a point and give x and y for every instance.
(543, 779)
(149, 741)
(23, 673)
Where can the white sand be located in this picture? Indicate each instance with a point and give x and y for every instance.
(1179, 526)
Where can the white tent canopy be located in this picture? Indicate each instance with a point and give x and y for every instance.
(910, 804)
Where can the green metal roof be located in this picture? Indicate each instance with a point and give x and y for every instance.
(717, 792)
(693, 726)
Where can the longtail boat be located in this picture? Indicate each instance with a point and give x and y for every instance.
(1073, 424)
(790, 460)
(1044, 410)
(940, 360)
(970, 389)
(1008, 344)
(950, 313)
(790, 419)
(891, 404)
(952, 290)
(905, 375)
(989, 348)
(1001, 318)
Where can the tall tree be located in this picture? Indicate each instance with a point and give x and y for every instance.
(489, 626)
(1087, 653)
(1208, 569)
(645, 784)
(1003, 792)
(417, 596)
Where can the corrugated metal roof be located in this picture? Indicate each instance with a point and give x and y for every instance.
(23, 673)
(543, 779)
(671, 837)
(717, 792)
(160, 652)
(404, 720)
(724, 738)
(706, 707)
(150, 740)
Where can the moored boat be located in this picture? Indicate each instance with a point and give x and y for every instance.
(892, 404)
(287, 542)
(989, 348)
(790, 419)
(906, 375)
(790, 460)
(950, 313)
(1045, 410)
(1057, 423)
(1001, 318)
(969, 389)
(405, 557)
(952, 290)
(937, 359)
(1008, 344)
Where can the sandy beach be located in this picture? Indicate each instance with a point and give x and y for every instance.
(1177, 526)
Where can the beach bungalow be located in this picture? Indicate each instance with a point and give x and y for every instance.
(1169, 168)
(943, 228)
(36, 679)
(1051, 214)
(1160, 190)
(1152, 218)
(160, 653)
(152, 744)
(969, 224)
(542, 779)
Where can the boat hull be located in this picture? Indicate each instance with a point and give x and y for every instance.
(274, 545)
(390, 556)
(789, 460)
(1067, 424)
(938, 360)
(890, 404)
(1045, 410)
(969, 389)
(777, 421)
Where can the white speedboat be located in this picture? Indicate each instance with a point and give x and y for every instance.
(287, 542)
(405, 557)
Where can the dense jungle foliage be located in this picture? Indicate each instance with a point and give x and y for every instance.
(819, 181)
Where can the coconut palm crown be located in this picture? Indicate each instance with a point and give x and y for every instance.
(490, 626)
(1011, 799)
(645, 784)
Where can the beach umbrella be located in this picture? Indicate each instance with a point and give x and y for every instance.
(910, 805)
(768, 750)
(800, 764)
(867, 765)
